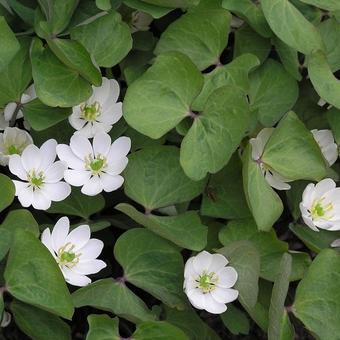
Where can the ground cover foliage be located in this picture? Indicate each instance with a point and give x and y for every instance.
(232, 109)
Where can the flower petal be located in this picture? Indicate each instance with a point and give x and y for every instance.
(47, 241)
(92, 187)
(79, 236)
(48, 152)
(110, 183)
(276, 181)
(101, 144)
(65, 154)
(323, 186)
(25, 196)
(31, 158)
(227, 277)
(55, 172)
(81, 146)
(77, 178)
(119, 149)
(56, 192)
(224, 295)
(16, 167)
(117, 167)
(196, 298)
(40, 201)
(218, 262)
(92, 249)
(88, 267)
(60, 232)
(212, 306)
(75, 279)
(202, 261)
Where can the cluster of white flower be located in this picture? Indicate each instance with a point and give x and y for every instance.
(324, 138)
(95, 166)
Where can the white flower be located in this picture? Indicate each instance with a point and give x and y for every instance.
(208, 282)
(13, 141)
(320, 206)
(328, 147)
(336, 243)
(258, 144)
(95, 167)
(10, 108)
(75, 253)
(140, 21)
(99, 112)
(41, 176)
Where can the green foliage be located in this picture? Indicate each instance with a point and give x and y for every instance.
(9, 44)
(8, 191)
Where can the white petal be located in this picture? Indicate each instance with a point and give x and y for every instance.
(330, 152)
(101, 144)
(48, 153)
(323, 186)
(79, 236)
(88, 267)
(224, 295)
(65, 154)
(117, 167)
(212, 306)
(227, 277)
(119, 149)
(56, 192)
(98, 127)
(55, 172)
(113, 112)
(77, 178)
(40, 201)
(76, 122)
(102, 92)
(202, 261)
(81, 146)
(110, 183)
(114, 89)
(92, 249)
(47, 240)
(60, 232)
(308, 195)
(75, 279)
(16, 167)
(19, 186)
(92, 187)
(218, 262)
(9, 110)
(258, 143)
(87, 131)
(275, 181)
(336, 243)
(196, 298)
(31, 158)
(189, 270)
(25, 196)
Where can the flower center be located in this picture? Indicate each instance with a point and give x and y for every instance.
(13, 150)
(90, 112)
(67, 257)
(36, 179)
(96, 165)
(320, 209)
(207, 282)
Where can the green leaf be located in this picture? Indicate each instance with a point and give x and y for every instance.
(9, 44)
(333, 117)
(115, 297)
(244, 257)
(263, 201)
(236, 321)
(201, 35)
(224, 196)
(277, 304)
(33, 276)
(140, 141)
(323, 80)
(234, 73)
(269, 247)
(289, 58)
(102, 327)
(330, 31)
(291, 26)
(56, 84)
(5, 241)
(283, 151)
(248, 41)
(330, 5)
(191, 324)
(152, 174)
(152, 264)
(317, 296)
(158, 330)
(74, 55)
(270, 81)
(78, 204)
(157, 101)
(25, 12)
(185, 230)
(16, 76)
(104, 5)
(58, 13)
(216, 133)
(251, 13)
(155, 11)
(7, 192)
(314, 241)
(41, 116)
(172, 3)
(38, 324)
(107, 38)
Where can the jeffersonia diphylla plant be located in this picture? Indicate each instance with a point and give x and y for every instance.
(169, 167)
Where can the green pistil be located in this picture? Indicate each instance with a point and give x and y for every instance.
(97, 165)
(318, 210)
(67, 257)
(36, 180)
(91, 112)
(206, 282)
(13, 150)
